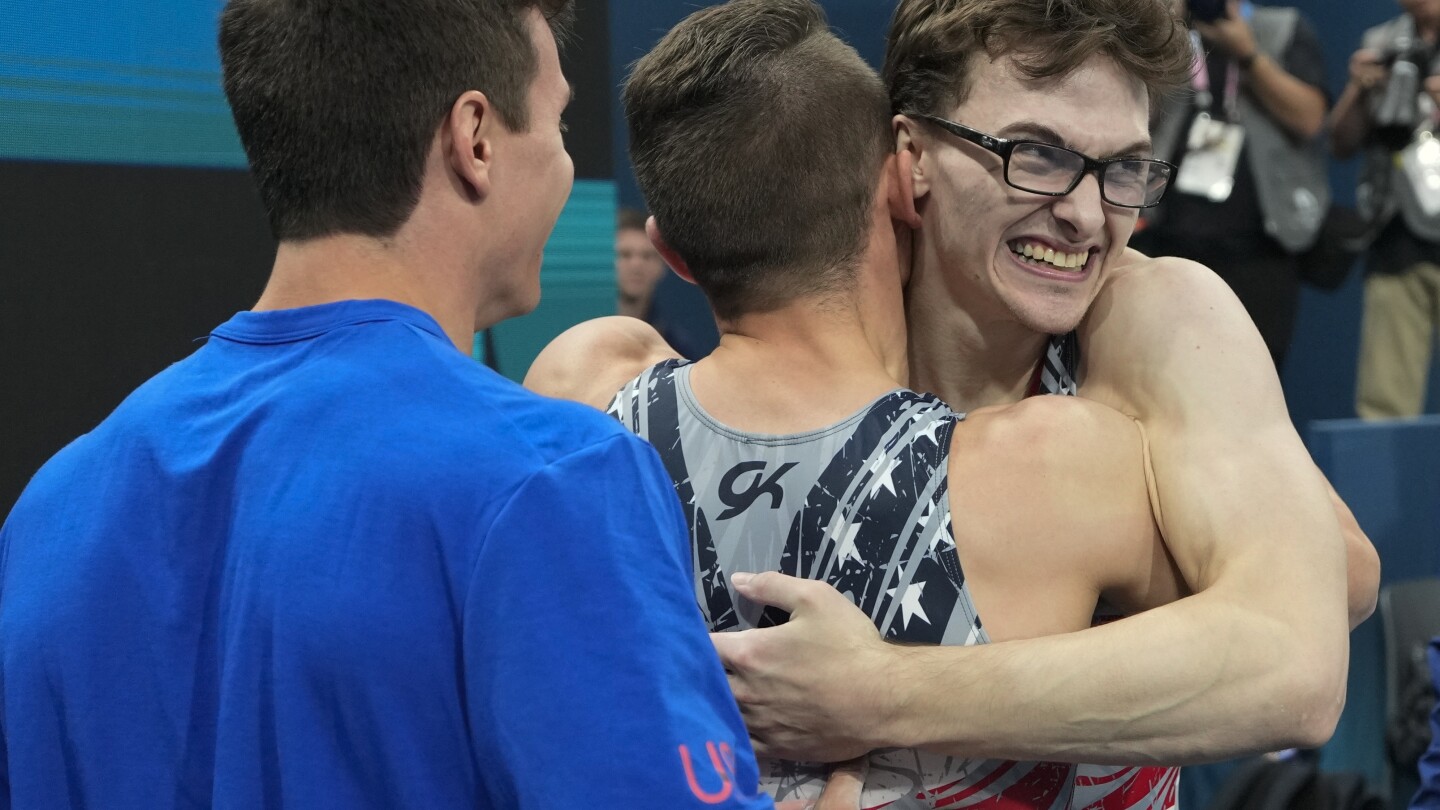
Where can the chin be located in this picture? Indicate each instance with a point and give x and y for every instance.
(512, 305)
(1051, 317)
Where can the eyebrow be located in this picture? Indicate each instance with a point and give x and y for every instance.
(1030, 129)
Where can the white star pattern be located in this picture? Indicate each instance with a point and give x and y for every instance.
(930, 432)
(944, 537)
(844, 538)
(910, 603)
(884, 470)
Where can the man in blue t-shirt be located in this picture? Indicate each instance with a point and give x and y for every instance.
(328, 560)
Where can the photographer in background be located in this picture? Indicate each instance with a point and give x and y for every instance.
(1251, 192)
(1389, 108)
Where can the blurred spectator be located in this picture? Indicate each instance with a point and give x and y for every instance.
(638, 267)
(1389, 108)
(1251, 191)
(638, 271)
(1428, 797)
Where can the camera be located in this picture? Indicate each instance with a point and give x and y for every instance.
(1395, 107)
(1206, 10)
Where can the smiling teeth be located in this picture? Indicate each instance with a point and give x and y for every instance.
(1066, 261)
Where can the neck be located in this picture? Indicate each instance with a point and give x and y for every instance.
(634, 306)
(352, 267)
(968, 361)
(801, 367)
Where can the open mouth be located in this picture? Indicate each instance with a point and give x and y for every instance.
(1044, 256)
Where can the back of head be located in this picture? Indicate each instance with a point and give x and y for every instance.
(337, 101)
(757, 138)
(931, 45)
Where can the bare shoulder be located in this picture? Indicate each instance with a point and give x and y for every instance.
(590, 361)
(1166, 334)
(1047, 435)
(1055, 488)
(1154, 296)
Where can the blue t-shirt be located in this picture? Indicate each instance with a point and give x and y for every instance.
(328, 561)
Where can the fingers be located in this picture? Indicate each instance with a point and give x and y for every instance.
(776, 589)
(1365, 56)
(1366, 71)
(737, 656)
(845, 785)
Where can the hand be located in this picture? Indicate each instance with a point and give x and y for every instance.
(1366, 71)
(1229, 33)
(842, 790)
(812, 688)
(1432, 86)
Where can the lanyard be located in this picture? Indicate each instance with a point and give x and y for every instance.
(1200, 81)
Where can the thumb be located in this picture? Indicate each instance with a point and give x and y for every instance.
(844, 787)
(774, 589)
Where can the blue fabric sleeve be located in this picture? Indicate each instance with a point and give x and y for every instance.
(591, 679)
(4, 735)
(1428, 797)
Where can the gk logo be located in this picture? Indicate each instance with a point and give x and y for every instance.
(740, 501)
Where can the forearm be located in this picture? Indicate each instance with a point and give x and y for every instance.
(1200, 680)
(1349, 123)
(1295, 105)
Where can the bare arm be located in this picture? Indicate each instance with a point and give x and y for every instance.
(1295, 105)
(589, 362)
(1350, 121)
(1255, 660)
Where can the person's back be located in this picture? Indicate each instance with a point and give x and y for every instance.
(864, 505)
(329, 560)
(287, 581)
(793, 446)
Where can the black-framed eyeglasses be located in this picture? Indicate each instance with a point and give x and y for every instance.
(1054, 171)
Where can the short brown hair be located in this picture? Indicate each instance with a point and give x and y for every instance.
(929, 52)
(628, 219)
(757, 138)
(337, 102)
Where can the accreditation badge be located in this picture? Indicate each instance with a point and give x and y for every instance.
(1212, 155)
(1421, 163)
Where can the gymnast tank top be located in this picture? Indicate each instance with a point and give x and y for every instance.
(863, 505)
(1102, 787)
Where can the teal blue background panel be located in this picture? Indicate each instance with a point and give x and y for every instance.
(577, 279)
(135, 82)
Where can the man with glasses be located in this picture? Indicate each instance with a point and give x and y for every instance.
(794, 451)
(1019, 263)
(1054, 171)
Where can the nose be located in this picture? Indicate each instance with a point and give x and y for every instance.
(1082, 211)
